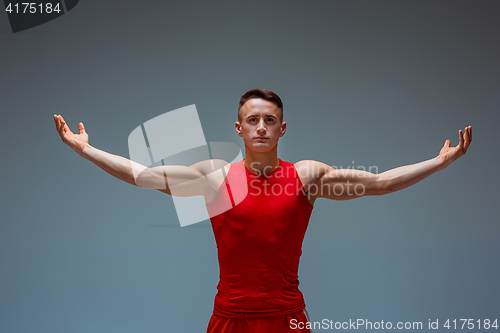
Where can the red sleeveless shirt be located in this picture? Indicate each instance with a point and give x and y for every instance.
(259, 223)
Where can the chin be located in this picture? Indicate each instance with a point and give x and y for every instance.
(262, 147)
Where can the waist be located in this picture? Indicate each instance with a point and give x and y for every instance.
(221, 311)
(257, 293)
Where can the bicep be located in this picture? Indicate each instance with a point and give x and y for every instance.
(345, 184)
(176, 180)
(201, 178)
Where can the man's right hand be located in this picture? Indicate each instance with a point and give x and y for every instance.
(77, 142)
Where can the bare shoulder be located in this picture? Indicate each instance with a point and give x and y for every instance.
(214, 172)
(311, 165)
(209, 166)
(308, 164)
(310, 171)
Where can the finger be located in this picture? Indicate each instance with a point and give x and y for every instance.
(461, 136)
(65, 128)
(81, 128)
(467, 137)
(447, 144)
(62, 132)
(59, 122)
(60, 125)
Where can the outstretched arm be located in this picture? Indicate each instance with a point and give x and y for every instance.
(187, 180)
(322, 181)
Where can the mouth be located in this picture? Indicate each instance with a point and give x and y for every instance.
(261, 138)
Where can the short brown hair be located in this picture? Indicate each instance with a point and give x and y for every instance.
(264, 94)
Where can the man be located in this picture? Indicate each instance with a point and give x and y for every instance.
(259, 239)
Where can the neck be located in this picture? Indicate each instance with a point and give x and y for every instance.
(262, 163)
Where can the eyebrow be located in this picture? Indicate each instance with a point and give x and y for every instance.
(266, 115)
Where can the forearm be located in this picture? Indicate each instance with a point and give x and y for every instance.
(183, 178)
(117, 166)
(337, 184)
(399, 178)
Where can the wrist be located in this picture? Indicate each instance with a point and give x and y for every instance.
(85, 151)
(443, 162)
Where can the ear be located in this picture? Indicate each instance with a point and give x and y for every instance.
(283, 129)
(237, 127)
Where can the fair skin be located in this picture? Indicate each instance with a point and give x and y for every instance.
(197, 179)
(260, 125)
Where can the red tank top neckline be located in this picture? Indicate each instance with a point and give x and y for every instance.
(249, 172)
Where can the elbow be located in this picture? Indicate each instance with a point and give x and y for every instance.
(381, 187)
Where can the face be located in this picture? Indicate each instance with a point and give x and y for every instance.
(260, 124)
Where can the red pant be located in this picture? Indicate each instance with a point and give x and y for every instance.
(273, 324)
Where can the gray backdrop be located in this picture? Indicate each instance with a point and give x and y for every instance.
(380, 83)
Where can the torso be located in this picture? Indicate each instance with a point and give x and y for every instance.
(259, 224)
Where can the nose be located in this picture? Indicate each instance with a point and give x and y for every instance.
(261, 129)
